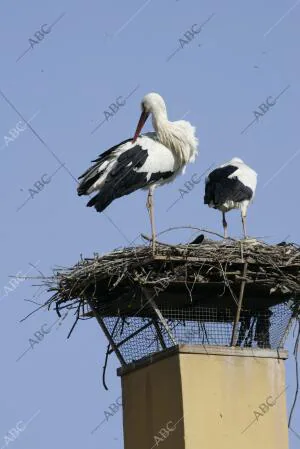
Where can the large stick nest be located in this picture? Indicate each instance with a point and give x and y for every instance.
(210, 273)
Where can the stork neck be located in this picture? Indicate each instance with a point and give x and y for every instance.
(170, 136)
(163, 129)
(159, 119)
(162, 126)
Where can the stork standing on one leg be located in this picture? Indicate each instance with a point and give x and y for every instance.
(141, 162)
(231, 186)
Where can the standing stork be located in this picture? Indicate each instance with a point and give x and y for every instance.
(142, 162)
(231, 186)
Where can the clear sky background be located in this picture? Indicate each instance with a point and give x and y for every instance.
(95, 52)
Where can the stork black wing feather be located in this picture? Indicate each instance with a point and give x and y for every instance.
(221, 173)
(92, 174)
(124, 178)
(110, 150)
(219, 188)
(230, 190)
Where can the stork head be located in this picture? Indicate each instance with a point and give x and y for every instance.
(237, 159)
(152, 103)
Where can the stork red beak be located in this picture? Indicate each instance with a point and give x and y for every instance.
(141, 123)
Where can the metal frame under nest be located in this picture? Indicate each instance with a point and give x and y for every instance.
(119, 284)
(159, 322)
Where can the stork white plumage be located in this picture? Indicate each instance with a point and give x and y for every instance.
(231, 186)
(142, 162)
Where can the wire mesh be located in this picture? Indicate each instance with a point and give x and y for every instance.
(138, 337)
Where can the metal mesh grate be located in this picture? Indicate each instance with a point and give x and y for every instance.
(144, 343)
(214, 326)
(139, 337)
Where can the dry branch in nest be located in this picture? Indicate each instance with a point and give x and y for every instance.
(212, 286)
(180, 275)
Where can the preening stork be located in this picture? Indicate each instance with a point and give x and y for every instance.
(142, 162)
(231, 186)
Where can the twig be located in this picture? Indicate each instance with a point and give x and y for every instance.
(104, 367)
(175, 228)
(149, 239)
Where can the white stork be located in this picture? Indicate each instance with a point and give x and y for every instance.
(142, 162)
(231, 186)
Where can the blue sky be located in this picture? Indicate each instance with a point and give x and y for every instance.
(63, 64)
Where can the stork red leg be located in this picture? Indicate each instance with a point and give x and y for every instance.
(224, 222)
(150, 207)
(244, 208)
(244, 225)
